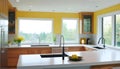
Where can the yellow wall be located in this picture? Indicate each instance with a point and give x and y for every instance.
(57, 18)
(104, 11)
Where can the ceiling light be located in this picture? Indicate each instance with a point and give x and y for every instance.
(53, 10)
(96, 6)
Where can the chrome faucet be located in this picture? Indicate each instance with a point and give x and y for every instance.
(103, 41)
(63, 50)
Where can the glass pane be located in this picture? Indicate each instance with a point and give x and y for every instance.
(107, 29)
(87, 23)
(118, 30)
(70, 30)
(36, 31)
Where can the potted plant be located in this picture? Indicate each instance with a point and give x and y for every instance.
(18, 40)
(54, 39)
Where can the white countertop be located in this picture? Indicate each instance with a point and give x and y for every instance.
(98, 57)
(29, 46)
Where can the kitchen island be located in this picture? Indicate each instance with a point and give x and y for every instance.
(106, 56)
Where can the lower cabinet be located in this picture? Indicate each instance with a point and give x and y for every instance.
(101, 67)
(81, 48)
(13, 54)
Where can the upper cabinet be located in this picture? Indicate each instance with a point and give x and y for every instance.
(4, 8)
(87, 22)
(12, 21)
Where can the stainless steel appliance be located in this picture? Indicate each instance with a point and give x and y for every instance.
(3, 41)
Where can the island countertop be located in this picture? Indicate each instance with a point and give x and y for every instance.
(97, 57)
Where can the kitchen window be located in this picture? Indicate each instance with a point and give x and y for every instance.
(109, 28)
(70, 31)
(117, 30)
(36, 31)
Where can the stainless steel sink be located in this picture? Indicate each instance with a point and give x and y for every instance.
(53, 55)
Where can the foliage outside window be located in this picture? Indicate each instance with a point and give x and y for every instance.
(70, 30)
(36, 31)
(107, 29)
(110, 29)
(118, 30)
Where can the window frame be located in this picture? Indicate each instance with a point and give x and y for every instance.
(37, 19)
(76, 26)
(100, 27)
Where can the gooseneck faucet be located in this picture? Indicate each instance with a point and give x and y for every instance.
(103, 41)
(63, 50)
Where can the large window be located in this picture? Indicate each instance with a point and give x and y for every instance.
(118, 30)
(36, 31)
(70, 30)
(107, 29)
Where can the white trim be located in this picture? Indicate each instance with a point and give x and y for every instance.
(113, 30)
(108, 14)
(112, 13)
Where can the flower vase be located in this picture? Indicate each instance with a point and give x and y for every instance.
(19, 44)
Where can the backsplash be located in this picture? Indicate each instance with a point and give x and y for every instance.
(92, 37)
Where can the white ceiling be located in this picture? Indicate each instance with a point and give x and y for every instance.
(74, 6)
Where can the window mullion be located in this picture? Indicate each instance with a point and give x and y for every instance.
(114, 30)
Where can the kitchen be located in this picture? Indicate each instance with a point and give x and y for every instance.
(13, 51)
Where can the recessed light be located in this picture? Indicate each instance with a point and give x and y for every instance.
(31, 6)
(29, 9)
(69, 8)
(53, 10)
(96, 6)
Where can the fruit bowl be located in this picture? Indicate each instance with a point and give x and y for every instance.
(79, 58)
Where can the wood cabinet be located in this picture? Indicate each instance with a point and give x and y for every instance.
(87, 22)
(44, 50)
(58, 49)
(109, 66)
(12, 22)
(13, 53)
(4, 7)
(81, 48)
(89, 49)
(70, 49)
(106, 67)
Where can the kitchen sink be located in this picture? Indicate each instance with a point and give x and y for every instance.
(52, 55)
(98, 47)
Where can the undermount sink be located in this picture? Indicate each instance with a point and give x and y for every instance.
(98, 47)
(52, 55)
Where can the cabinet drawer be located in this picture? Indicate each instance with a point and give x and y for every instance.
(76, 48)
(58, 50)
(15, 52)
(12, 61)
(13, 55)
